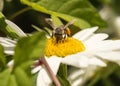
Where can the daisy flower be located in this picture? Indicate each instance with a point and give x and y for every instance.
(82, 50)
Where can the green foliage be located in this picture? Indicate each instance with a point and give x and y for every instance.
(63, 81)
(62, 75)
(32, 47)
(22, 78)
(56, 21)
(5, 77)
(115, 4)
(6, 28)
(105, 76)
(2, 59)
(68, 10)
(29, 48)
(62, 70)
(17, 78)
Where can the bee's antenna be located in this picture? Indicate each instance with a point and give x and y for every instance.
(69, 23)
(49, 21)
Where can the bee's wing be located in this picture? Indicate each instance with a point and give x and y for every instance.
(69, 23)
(49, 21)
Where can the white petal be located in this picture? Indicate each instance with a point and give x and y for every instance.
(15, 28)
(76, 73)
(8, 45)
(96, 38)
(54, 63)
(71, 60)
(107, 45)
(76, 60)
(10, 63)
(7, 42)
(36, 69)
(11, 41)
(97, 62)
(43, 78)
(9, 52)
(111, 56)
(82, 60)
(77, 82)
(84, 34)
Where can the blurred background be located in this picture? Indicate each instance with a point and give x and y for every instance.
(109, 11)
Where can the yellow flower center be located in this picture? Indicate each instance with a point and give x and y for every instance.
(64, 47)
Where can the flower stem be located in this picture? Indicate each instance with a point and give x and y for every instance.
(56, 81)
(19, 12)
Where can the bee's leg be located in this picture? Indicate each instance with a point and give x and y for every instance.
(53, 34)
(58, 39)
(65, 35)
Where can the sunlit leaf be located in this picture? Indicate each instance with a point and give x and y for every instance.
(82, 10)
(56, 21)
(66, 17)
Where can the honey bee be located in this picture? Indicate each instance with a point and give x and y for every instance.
(61, 32)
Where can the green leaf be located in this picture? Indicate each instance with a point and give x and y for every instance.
(79, 23)
(6, 28)
(29, 49)
(56, 21)
(34, 78)
(82, 10)
(2, 59)
(4, 78)
(62, 70)
(62, 75)
(12, 81)
(46, 30)
(63, 81)
(16, 78)
(67, 17)
(22, 78)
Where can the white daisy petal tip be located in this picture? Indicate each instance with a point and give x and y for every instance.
(86, 33)
(15, 28)
(97, 62)
(9, 52)
(10, 63)
(36, 69)
(95, 28)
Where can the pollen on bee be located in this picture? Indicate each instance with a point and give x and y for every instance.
(68, 31)
(66, 47)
